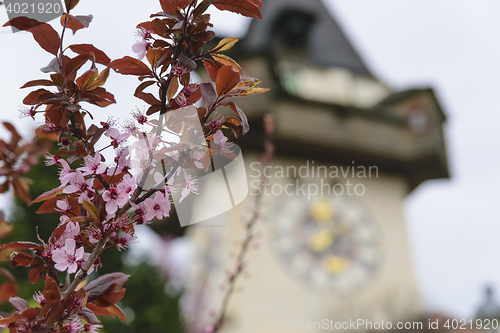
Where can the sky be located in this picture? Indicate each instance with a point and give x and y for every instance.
(450, 45)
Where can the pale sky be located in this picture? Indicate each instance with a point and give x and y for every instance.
(450, 45)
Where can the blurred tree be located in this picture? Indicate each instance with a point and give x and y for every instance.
(149, 308)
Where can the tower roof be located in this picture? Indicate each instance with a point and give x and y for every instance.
(326, 46)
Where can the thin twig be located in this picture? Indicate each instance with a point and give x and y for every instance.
(266, 158)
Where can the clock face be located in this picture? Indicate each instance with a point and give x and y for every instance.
(331, 242)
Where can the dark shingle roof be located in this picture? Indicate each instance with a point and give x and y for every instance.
(327, 46)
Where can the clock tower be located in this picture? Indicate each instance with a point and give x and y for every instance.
(334, 243)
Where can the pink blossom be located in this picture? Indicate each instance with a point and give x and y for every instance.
(116, 137)
(130, 127)
(66, 173)
(127, 185)
(51, 159)
(49, 127)
(77, 183)
(122, 161)
(86, 195)
(220, 143)
(93, 165)
(181, 100)
(115, 198)
(219, 137)
(38, 296)
(143, 45)
(72, 230)
(94, 234)
(216, 124)
(91, 328)
(65, 142)
(76, 326)
(190, 185)
(159, 207)
(108, 123)
(27, 112)
(63, 206)
(179, 70)
(140, 48)
(122, 242)
(67, 257)
(140, 212)
(191, 88)
(140, 117)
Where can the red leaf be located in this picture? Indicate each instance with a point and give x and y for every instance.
(168, 6)
(227, 78)
(36, 274)
(47, 37)
(38, 96)
(241, 114)
(152, 109)
(72, 66)
(208, 93)
(22, 23)
(15, 135)
(212, 68)
(51, 290)
(49, 194)
(91, 50)
(100, 286)
(118, 312)
(76, 23)
(88, 315)
(112, 296)
(20, 259)
(7, 290)
(19, 304)
(99, 311)
(130, 66)
(20, 246)
(86, 79)
(70, 4)
(98, 96)
(37, 83)
(148, 98)
(249, 8)
(181, 3)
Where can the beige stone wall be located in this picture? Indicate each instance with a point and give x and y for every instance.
(274, 295)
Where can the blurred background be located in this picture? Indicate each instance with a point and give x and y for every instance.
(409, 87)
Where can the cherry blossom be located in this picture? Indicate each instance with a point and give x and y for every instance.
(91, 328)
(190, 186)
(68, 257)
(25, 112)
(141, 47)
(159, 207)
(51, 159)
(140, 117)
(63, 206)
(72, 230)
(94, 234)
(127, 185)
(75, 326)
(220, 143)
(216, 124)
(115, 198)
(38, 296)
(93, 165)
(66, 173)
